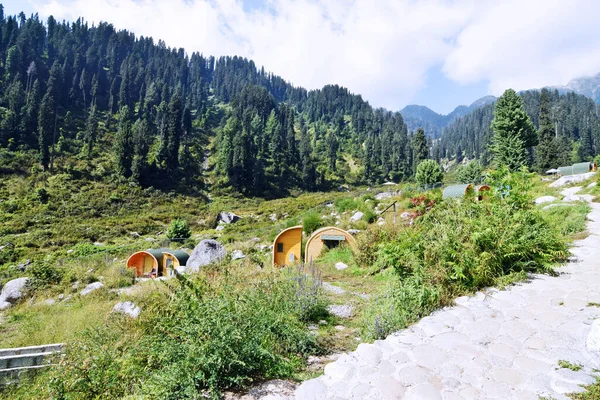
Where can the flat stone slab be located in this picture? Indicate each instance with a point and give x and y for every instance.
(493, 345)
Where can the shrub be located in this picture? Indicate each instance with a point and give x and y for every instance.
(470, 173)
(41, 194)
(428, 172)
(201, 335)
(44, 274)
(311, 222)
(346, 204)
(179, 230)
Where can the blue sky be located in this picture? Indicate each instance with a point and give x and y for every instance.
(438, 53)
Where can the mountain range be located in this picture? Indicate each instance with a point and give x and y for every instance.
(417, 116)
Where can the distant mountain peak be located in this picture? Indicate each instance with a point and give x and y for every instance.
(418, 116)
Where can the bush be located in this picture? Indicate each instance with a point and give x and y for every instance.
(201, 335)
(44, 274)
(346, 204)
(311, 222)
(179, 230)
(428, 172)
(470, 173)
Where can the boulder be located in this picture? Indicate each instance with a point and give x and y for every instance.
(341, 311)
(273, 217)
(357, 216)
(220, 228)
(227, 217)
(206, 252)
(92, 287)
(354, 232)
(545, 199)
(405, 215)
(237, 254)
(12, 292)
(591, 185)
(134, 235)
(128, 308)
(384, 195)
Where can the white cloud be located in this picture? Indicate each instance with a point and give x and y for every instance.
(527, 44)
(381, 49)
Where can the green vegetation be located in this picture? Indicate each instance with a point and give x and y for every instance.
(470, 173)
(195, 334)
(457, 247)
(179, 230)
(568, 365)
(513, 132)
(429, 172)
(592, 392)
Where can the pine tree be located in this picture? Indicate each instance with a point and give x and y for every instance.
(419, 148)
(123, 148)
(141, 133)
(546, 150)
(332, 150)
(174, 127)
(513, 131)
(309, 173)
(46, 125)
(91, 131)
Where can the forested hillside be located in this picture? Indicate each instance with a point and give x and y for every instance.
(574, 118)
(100, 103)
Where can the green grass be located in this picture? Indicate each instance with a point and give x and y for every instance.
(566, 364)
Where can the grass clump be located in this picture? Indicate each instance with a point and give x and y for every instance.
(566, 364)
(196, 335)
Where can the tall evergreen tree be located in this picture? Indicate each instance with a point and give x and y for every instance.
(174, 128)
(123, 148)
(546, 150)
(513, 131)
(419, 148)
(91, 131)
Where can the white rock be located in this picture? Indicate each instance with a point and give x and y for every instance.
(49, 302)
(237, 254)
(354, 231)
(357, 216)
(545, 199)
(342, 311)
(591, 185)
(565, 180)
(405, 215)
(128, 308)
(273, 217)
(220, 228)
(340, 266)
(12, 292)
(593, 338)
(99, 244)
(91, 288)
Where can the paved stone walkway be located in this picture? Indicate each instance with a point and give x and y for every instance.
(494, 345)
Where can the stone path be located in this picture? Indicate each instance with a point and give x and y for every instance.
(494, 345)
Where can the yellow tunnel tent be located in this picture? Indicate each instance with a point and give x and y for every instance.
(330, 236)
(287, 246)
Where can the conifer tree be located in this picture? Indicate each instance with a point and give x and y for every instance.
(419, 148)
(513, 131)
(123, 148)
(332, 149)
(174, 127)
(141, 133)
(91, 131)
(546, 150)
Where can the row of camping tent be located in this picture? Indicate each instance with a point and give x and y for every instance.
(576, 169)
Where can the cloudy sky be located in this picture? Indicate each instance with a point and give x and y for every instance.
(439, 53)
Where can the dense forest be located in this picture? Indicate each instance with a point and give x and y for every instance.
(73, 93)
(574, 119)
(101, 103)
